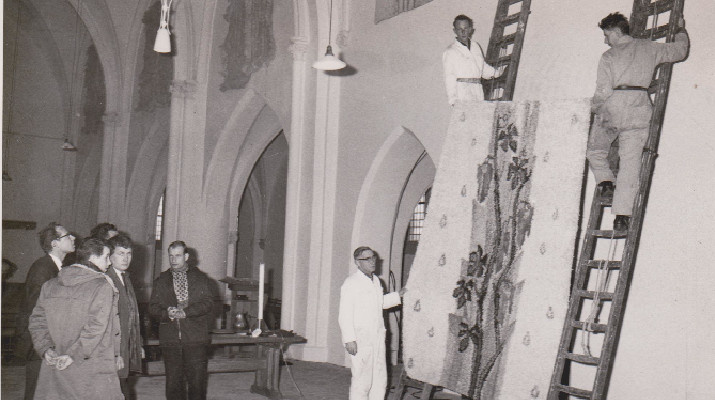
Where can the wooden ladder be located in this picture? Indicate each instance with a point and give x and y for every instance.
(588, 267)
(504, 50)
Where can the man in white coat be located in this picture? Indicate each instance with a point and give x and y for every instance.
(464, 65)
(362, 300)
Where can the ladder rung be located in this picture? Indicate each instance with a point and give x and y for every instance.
(589, 294)
(594, 327)
(607, 234)
(610, 265)
(605, 201)
(583, 359)
(507, 39)
(657, 33)
(660, 6)
(503, 60)
(510, 19)
(586, 394)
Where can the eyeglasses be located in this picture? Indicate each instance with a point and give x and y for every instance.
(371, 258)
(65, 235)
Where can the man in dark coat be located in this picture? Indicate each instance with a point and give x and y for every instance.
(56, 242)
(131, 343)
(181, 299)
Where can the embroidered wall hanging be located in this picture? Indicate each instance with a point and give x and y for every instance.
(489, 286)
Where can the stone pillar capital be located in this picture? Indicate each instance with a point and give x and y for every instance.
(298, 48)
(183, 88)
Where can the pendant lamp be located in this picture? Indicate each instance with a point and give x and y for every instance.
(68, 146)
(162, 44)
(329, 62)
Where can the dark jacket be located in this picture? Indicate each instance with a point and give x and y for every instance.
(131, 346)
(76, 314)
(194, 329)
(41, 271)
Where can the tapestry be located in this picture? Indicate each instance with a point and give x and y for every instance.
(386, 9)
(249, 43)
(488, 290)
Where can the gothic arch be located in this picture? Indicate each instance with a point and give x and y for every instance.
(398, 176)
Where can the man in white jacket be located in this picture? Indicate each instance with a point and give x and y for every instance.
(362, 300)
(464, 65)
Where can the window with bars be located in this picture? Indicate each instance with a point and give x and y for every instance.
(417, 222)
(159, 219)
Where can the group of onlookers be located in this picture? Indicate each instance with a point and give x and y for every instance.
(79, 326)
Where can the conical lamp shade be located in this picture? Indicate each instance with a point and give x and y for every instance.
(329, 62)
(68, 146)
(162, 43)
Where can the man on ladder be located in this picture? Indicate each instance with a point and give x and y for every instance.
(623, 109)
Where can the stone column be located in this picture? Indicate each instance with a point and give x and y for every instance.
(112, 181)
(295, 244)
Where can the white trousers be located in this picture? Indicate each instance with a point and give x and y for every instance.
(369, 371)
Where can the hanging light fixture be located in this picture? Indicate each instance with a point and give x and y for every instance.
(329, 62)
(162, 44)
(68, 146)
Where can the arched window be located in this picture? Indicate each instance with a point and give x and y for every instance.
(159, 226)
(417, 222)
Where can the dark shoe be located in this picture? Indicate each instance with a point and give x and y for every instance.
(621, 223)
(606, 188)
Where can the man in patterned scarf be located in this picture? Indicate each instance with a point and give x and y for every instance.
(181, 300)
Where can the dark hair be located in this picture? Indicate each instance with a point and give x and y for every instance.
(89, 247)
(48, 235)
(462, 17)
(178, 243)
(615, 20)
(359, 250)
(101, 230)
(121, 240)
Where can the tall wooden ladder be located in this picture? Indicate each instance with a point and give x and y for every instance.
(504, 50)
(591, 287)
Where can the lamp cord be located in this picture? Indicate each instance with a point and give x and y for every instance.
(330, 22)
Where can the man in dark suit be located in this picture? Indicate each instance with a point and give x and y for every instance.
(56, 242)
(131, 342)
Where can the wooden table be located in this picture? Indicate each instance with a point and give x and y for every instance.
(265, 360)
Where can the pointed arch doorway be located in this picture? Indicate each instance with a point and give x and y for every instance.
(261, 225)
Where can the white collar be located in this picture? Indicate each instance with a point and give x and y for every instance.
(57, 260)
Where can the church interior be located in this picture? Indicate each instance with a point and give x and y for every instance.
(235, 144)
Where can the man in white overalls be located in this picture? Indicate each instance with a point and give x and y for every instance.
(362, 300)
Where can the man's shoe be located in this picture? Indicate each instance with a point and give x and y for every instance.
(621, 223)
(606, 188)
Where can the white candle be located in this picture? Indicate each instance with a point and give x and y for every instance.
(261, 284)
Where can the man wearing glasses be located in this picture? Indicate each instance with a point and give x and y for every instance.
(56, 242)
(362, 300)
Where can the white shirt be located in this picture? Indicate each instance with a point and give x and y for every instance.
(120, 274)
(57, 261)
(459, 61)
